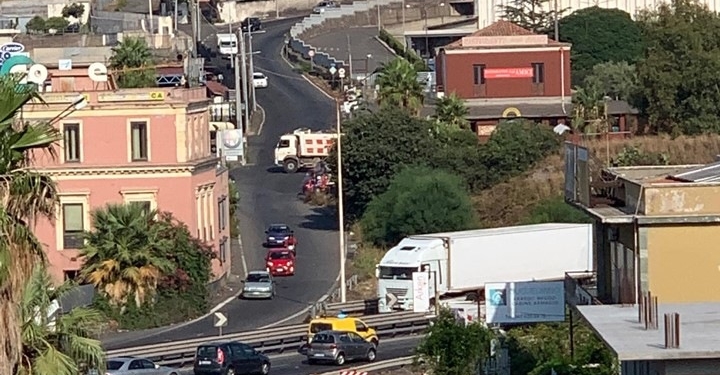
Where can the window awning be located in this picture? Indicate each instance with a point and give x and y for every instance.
(221, 125)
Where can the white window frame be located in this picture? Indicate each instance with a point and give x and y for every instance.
(70, 198)
(148, 130)
(140, 195)
(81, 144)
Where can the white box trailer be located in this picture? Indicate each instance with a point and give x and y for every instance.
(460, 262)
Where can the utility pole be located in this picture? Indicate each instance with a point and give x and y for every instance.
(195, 36)
(341, 205)
(252, 68)
(238, 107)
(350, 62)
(175, 27)
(197, 17)
(245, 84)
(150, 14)
(555, 21)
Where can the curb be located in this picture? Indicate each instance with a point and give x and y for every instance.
(282, 56)
(262, 123)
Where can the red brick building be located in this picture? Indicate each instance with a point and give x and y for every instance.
(506, 71)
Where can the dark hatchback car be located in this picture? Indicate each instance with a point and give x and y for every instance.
(230, 358)
(280, 235)
(251, 24)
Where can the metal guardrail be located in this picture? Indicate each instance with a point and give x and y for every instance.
(352, 308)
(272, 340)
(383, 365)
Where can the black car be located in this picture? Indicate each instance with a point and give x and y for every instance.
(280, 235)
(230, 358)
(251, 24)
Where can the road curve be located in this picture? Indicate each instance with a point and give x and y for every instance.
(268, 196)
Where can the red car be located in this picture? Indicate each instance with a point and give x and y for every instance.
(280, 262)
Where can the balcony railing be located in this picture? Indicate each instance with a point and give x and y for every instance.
(581, 288)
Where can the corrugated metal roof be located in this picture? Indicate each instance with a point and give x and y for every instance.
(706, 173)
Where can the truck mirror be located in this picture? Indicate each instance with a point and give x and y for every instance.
(377, 271)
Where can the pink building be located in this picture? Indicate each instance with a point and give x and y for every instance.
(149, 146)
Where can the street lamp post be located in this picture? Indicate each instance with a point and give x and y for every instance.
(341, 205)
(251, 58)
(243, 72)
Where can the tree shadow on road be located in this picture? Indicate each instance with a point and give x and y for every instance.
(321, 218)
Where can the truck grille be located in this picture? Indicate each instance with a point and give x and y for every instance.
(398, 292)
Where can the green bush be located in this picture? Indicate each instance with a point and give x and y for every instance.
(418, 200)
(234, 200)
(400, 50)
(556, 210)
(57, 23)
(633, 156)
(36, 25)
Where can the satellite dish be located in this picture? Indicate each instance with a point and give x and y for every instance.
(37, 74)
(20, 70)
(560, 129)
(98, 72)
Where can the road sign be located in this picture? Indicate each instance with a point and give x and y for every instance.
(332, 70)
(390, 299)
(220, 320)
(341, 72)
(311, 53)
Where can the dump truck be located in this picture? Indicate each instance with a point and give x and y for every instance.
(461, 263)
(303, 148)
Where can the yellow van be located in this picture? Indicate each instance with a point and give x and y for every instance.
(342, 324)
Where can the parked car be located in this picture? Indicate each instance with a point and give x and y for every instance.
(260, 81)
(340, 346)
(280, 235)
(258, 284)
(229, 358)
(324, 5)
(251, 24)
(280, 262)
(132, 366)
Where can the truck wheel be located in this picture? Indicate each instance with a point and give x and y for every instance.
(290, 166)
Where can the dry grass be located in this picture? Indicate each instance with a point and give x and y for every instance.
(509, 203)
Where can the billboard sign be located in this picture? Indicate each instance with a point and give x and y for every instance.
(525, 302)
(494, 73)
(421, 291)
(9, 50)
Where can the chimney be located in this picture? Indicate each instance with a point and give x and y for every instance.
(672, 331)
(648, 311)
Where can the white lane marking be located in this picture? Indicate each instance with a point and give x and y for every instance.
(262, 123)
(282, 56)
(242, 258)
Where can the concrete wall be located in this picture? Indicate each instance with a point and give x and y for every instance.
(682, 199)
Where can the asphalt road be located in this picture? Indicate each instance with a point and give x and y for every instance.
(362, 45)
(296, 364)
(270, 196)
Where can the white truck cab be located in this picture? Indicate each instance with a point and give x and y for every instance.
(303, 148)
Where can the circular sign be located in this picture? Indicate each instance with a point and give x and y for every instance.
(332, 70)
(231, 139)
(311, 53)
(341, 70)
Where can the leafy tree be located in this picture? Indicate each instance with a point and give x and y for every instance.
(452, 348)
(74, 10)
(36, 25)
(600, 35)
(124, 254)
(556, 210)
(633, 156)
(532, 14)
(375, 146)
(132, 61)
(514, 147)
(399, 86)
(451, 111)
(527, 356)
(677, 79)
(418, 200)
(27, 196)
(458, 151)
(57, 23)
(56, 344)
(589, 115)
(618, 80)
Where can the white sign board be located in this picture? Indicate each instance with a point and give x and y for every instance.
(421, 291)
(525, 302)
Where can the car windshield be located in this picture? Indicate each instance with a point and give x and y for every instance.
(279, 255)
(258, 75)
(114, 365)
(319, 327)
(207, 351)
(257, 278)
(279, 229)
(323, 338)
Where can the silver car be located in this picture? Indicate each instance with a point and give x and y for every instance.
(258, 284)
(324, 5)
(136, 366)
(338, 347)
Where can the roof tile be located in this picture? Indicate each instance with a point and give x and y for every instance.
(499, 28)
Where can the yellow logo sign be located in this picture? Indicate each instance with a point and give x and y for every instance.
(158, 95)
(511, 112)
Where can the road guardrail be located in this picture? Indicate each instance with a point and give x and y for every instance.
(377, 366)
(270, 341)
(354, 308)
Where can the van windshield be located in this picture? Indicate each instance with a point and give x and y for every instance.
(397, 273)
(319, 327)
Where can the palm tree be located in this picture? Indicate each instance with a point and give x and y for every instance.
(399, 86)
(133, 62)
(25, 195)
(589, 110)
(52, 343)
(451, 111)
(123, 254)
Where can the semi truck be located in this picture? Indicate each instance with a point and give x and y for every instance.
(303, 148)
(459, 263)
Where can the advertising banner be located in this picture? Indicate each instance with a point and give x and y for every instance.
(495, 73)
(231, 144)
(421, 291)
(525, 302)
